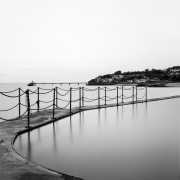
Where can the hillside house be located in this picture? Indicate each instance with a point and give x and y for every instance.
(117, 76)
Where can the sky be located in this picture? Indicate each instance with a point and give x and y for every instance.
(77, 40)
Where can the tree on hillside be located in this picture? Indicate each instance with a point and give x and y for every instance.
(118, 73)
(107, 76)
(92, 81)
(164, 77)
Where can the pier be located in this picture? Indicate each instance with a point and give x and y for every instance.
(56, 83)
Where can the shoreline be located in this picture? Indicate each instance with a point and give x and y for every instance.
(14, 166)
(157, 84)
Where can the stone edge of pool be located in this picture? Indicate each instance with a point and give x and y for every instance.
(13, 166)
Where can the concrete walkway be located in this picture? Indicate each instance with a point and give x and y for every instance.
(15, 167)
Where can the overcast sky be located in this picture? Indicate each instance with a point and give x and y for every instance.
(77, 40)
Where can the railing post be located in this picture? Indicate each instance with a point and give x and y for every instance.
(98, 97)
(56, 97)
(38, 100)
(70, 100)
(80, 98)
(105, 95)
(136, 94)
(19, 102)
(133, 94)
(122, 94)
(146, 93)
(28, 107)
(117, 96)
(53, 102)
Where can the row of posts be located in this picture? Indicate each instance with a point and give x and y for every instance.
(81, 99)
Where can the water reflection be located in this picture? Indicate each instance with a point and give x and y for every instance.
(117, 115)
(116, 143)
(39, 134)
(80, 123)
(71, 131)
(146, 104)
(29, 146)
(54, 138)
(133, 112)
(99, 119)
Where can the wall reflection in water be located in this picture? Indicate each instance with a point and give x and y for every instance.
(138, 141)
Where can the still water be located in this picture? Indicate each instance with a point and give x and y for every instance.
(131, 142)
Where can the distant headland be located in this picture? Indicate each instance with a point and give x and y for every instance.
(153, 77)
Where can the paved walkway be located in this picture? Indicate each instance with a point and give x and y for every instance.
(15, 167)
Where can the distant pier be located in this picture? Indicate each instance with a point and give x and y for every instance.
(59, 83)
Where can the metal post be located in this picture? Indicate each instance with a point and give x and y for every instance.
(70, 100)
(117, 96)
(38, 99)
(79, 97)
(19, 102)
(146, 93)
(122, 94)
(98, 96)
(56, 97)
(28, 107)
(105, 95)
(82, 96)
(136, 94)
(133, 95)
(54, 102)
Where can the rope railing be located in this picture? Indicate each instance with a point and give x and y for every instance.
(62, 107)
(46, 92)
(8, 95)
(62, 89)
(42, 108)
(33, 104)
(45, 89)
(10, 91)
(141, 97)
(90, 100)
(86, 89)
(63, 94)
(109, 98)
(9, 108)
(140, 89)
(127, 88)
(74, 89)
(101, 93)
(108, 89)
(45, 101)
(33, 92)
(12, 119)
(62, 100)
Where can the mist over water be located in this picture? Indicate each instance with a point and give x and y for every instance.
(139, 141)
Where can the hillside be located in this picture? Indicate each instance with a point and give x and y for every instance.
(145, 77)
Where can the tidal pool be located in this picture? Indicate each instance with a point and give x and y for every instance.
(131, 142)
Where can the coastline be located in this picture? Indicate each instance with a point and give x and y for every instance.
(173, 84)
(156, 84)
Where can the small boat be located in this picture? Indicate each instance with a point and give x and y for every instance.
(32, 84)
